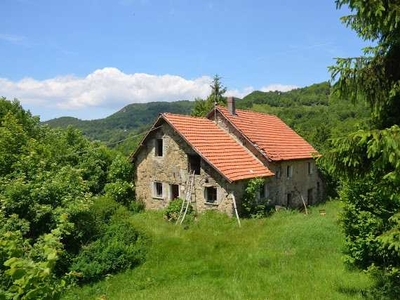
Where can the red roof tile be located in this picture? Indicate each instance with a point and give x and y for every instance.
(270, 134)
(217, 147)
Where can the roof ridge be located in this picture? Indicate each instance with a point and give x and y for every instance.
(182, 115)
(250, 111)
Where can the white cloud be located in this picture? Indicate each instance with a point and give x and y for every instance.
(107, 90)
(278, 87)
(240, 93)
(108, 87)
(12, 38)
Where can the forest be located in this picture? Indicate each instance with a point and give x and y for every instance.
(71, 228)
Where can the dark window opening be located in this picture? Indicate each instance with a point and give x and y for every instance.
(194, 164)
(289, 171)
(158, 189)
(278, 172)
(309, 196)
(310, 170)
(174, 191)
(159, 147)
(211, 194)
(262, 192)
(288, 199)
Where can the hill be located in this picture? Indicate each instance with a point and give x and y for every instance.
(311, 111)
(118, 125)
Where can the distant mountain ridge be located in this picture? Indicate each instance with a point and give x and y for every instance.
(130, 117)
(311, 111)
(137, 115)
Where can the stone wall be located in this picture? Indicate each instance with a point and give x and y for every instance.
(299, 184)
(172, 169)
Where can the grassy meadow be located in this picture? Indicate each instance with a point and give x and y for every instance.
(289, 255)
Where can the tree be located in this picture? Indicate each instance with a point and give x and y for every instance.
(50, 180)
(202, 107)
(368, 161)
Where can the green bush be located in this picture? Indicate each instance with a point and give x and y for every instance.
(136, 206)
(252, 205)
(121, 191)
(121, 247)
(174, 208)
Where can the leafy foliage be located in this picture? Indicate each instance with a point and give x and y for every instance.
(254, 206)
(174, 209)
(49, 180)
(368, 160)
(119, 247)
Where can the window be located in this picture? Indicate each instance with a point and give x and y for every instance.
(309, 196)
(310, 168)
(158, 190)
(174, 191)
(194, 164)
(289, 171)
(288, 199)
(211, 194)
(278, 172)
(262, 192)
(159, 147)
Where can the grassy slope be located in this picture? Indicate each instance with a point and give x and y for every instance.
(287, 256)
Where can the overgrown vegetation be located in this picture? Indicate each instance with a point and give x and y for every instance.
(368, 161)
(286, 256)
(176, 209)
(50, 180)
(254, 202)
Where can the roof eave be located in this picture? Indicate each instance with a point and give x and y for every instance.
(196, 150)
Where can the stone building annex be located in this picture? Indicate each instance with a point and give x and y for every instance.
(210, 160)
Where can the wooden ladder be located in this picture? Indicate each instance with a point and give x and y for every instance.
(188, 198)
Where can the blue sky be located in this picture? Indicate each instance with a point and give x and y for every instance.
(89, 58)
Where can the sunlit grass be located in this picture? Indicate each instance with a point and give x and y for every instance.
(286, 256)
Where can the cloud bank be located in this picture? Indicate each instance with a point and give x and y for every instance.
(111, 89)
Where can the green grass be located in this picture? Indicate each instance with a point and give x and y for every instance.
(286, 256)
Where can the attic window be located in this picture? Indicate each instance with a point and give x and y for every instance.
(211, 194)
(194, 164)
(159, 151)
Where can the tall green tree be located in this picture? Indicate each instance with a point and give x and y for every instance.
(202, 107)
(49, 182)
(369, 160)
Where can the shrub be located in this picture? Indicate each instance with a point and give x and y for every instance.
(136, 206)
(121, 191)
(253, 206)
(174, 208)
(121, 247)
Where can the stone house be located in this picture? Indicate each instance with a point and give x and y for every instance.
(218, 155)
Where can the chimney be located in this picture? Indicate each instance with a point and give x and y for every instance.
(231, 105)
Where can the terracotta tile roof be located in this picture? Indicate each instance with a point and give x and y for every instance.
(217, 147)
(270, 134)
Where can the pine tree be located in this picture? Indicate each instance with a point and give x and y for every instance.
(368, 161)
